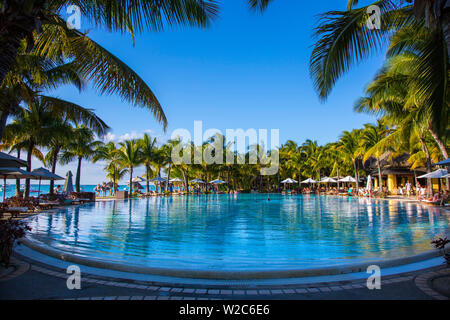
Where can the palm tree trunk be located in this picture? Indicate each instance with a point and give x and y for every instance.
(440, 143)
(356, 175)
(26, 194)
(54, 161)
(147, 176)
(18, 180)
(168, 176)
(131, 180)
(427, 153)
(78, 178)
(380, 178)
(3, 118)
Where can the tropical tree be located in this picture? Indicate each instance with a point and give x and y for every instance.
(22, 19)
(349, 146)
(148, 146)
(372, 145)
(55, 145)
(82, 147)
(130, 156)
(108, 152)
(39, 122)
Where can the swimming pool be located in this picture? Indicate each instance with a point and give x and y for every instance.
(241, 232)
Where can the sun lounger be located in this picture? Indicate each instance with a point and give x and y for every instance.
(16, 211)
(48, 204)
(80, 200)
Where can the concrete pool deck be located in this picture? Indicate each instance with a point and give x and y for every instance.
(31, 280)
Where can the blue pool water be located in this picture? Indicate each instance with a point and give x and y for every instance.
(242, 232)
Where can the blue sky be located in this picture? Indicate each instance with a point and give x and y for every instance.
(248, 70)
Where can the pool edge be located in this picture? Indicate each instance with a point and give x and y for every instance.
(226, 275)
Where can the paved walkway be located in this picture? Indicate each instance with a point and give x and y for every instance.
(31, 280)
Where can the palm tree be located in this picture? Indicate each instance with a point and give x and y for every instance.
(30, 76)
(55, 145)
(130, 156)
(148, 151)
(82, 147)
(35, 126)
(109, 153)
(372, 144)
(349, 146)
(22, 19)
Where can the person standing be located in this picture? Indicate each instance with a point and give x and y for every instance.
(408, 187)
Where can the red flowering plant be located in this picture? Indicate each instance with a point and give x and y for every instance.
(440, 244)
(10, 231)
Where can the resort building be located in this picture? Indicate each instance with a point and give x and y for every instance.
(395, 172)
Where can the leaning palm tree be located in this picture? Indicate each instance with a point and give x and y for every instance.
(130, 156)
(30, 76)
(82, 147)
(345, 38)
(396, 89)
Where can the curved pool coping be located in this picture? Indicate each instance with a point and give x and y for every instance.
(223, 274)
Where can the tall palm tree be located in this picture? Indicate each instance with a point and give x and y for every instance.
(130, 156)
(82, 147)
(55, 145)
(109, 153)
(371, 136)
(37, 124)
(148, 146)
(349, 146)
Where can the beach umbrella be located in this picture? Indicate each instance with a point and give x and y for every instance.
(45, 174)
(14, 173)
(443, 163)
(348, 179)
(7, 161)
(138, 179)
(438, 174)
(68, 184)
(158, 179)
(328, 180)
(447, 176)
(176, 180)
(289, 181)
(309, 181)
(217, 181)
(197, 181)
(369, 182)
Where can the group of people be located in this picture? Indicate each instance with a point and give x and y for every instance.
(101, 190)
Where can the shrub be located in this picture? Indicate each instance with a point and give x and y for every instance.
(82, 195)
(31, 203)
(10, 231)
(440, 244)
